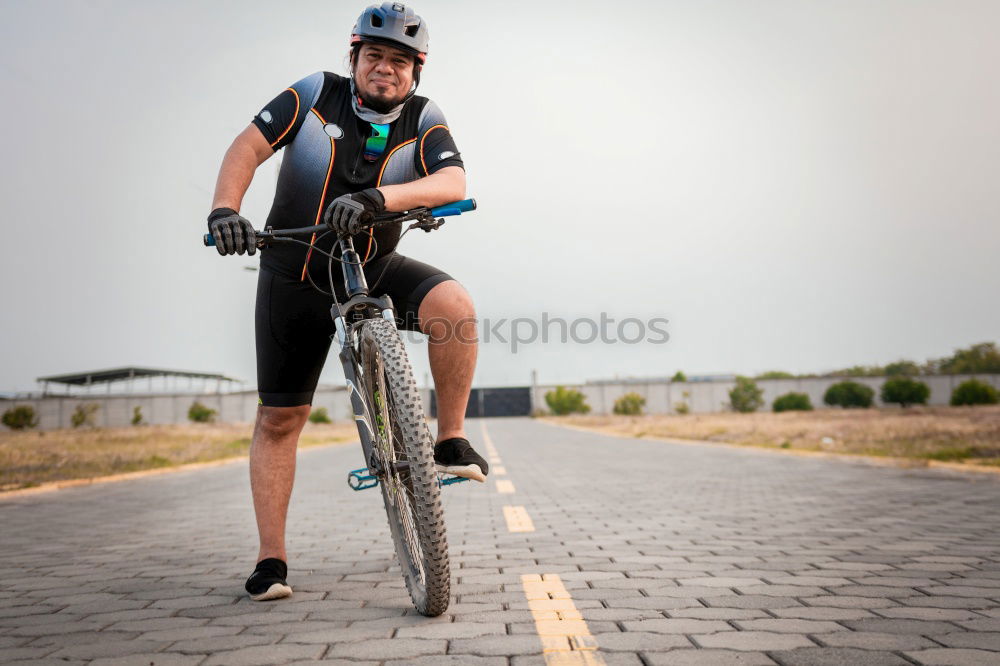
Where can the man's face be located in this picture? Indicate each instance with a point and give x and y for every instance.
(383, 75)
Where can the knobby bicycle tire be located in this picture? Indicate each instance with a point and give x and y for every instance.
(412, 496)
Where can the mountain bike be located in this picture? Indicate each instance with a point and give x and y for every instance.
(388, 410)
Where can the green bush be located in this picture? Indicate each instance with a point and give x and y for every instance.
(679, 377)
(319, 415)
(746, 396)
(566, 401)
(630, 404)
(682, 408)
(84, 414)
(792, 402)
(969, 392)
(902, 368)
(849, 394)
(20, 417)
(199, 413)
(137, 416)
(776, 374)
(905, 392)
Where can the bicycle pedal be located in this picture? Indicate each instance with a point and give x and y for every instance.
(361, 479)
(447, 481)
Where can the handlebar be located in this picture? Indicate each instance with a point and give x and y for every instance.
(425, 216)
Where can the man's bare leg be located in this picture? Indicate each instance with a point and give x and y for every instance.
(448, 318)
(272, 472)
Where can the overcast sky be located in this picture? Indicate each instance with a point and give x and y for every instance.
(793, 185)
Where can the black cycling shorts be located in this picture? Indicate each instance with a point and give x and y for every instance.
(294, 327)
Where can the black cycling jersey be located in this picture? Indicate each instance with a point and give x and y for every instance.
(325, 158)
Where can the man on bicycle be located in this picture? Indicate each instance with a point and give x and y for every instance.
(354, 146)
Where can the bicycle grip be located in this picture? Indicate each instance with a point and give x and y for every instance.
(209, 240)
(454, 208)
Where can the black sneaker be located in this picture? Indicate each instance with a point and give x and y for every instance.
(456, 456)
(268, 580)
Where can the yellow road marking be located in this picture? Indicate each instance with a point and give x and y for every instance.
(565, 637)
(518, 519)
(500, 471)
(505, 486)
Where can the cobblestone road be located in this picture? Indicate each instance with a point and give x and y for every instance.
(626, 552)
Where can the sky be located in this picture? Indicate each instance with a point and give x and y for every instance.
(791, 185)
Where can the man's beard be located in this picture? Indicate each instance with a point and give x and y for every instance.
(380, 105)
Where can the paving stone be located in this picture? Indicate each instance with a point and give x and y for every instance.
(109, 649)
(707, 657)
(822, 613)
(214, 644)
(264, 655)
(870, 640)
(899, 626)
(451, 630)
(446, 660)
(640, 641)
(677, 626)
(752, 601)
(389, 648)
(952, 657)
(701, 613)
(848, 601)
(944, 614)
(500, 646)
(157, 659)
(788, 625)
(752, 640)
(981, 640)
(837, 657)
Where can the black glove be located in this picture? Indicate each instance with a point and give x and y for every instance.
(233, 234)
(349, 213)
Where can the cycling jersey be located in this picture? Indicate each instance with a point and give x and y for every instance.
(325, 157)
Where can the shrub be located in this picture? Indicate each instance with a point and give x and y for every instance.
(849, 394)
(969, 392)
(20, 417)
(84, 414)
(137, 416)
(682, 408)
(566, 401)
(776, 374)
(746, 396)
(792, 402)
(902, 368)
(319, 415)
(199, 413)
(679, 377)
(905, 392)
(630, 404)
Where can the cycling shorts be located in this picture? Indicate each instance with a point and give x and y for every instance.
(294, 327)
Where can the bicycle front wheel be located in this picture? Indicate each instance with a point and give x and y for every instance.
(409, 484)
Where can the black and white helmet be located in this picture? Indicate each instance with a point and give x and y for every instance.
(394, 24)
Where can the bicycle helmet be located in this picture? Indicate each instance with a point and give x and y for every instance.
(393, 24)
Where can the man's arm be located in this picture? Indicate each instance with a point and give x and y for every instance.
(249, 150)
(441, 187)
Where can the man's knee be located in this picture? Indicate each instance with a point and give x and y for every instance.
(447, 313)
(275, 423)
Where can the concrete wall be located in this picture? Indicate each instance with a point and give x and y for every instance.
(705, 397)
(661, 398)
(116, 410)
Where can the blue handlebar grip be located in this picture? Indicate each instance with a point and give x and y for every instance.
(209, 240)
(455, 208)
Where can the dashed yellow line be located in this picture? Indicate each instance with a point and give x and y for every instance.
(563, 631)
(505, 486)
(500, 470)
(518, 519)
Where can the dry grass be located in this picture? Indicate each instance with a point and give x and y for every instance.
(970, 434)
(31, 458)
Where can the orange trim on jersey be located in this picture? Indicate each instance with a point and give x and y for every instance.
(296, 115)
(322, 197)
(371, 232)
(422, 163)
